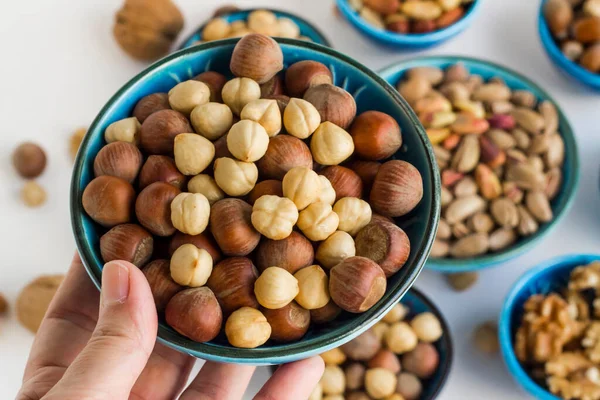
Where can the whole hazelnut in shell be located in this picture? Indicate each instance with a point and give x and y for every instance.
(157, 134)
(120, 159)
(247, 328)
(150, 104)
(422, 361)
(325, 314)
(384, 7)
(195, 313)
(201, 241)
(385, 243)
(160, 169)
(109, 200)
(363, 347)
(376, 135)
(231, 226)
(215, 82)
(289, 323)
(29, 160)
(355, 376)
(257, 57)
(153, 208)
(162, 286)
(129, 242)
(302, 75)
(409, 386)
(345, 182)
(269, 187)
(385, 359)
(34, 299)
(333, 103)
(397, 189)
(232, 280)
(272, 87)
(284, 153)
(366, 170)
(356, 284)
(292, 253)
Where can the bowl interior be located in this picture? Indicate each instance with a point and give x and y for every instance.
(550, 276)
(370, 92)
(306, 28)
(561, 202)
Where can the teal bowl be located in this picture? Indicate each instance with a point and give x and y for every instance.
(560, 205)
(549, 276)
(306, 28)
(370, 91)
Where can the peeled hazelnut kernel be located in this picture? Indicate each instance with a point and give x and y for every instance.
(422, 361)
(193, 153)
(396, 314)
(257, 57)
(397, 190)
(284, 153)
(263, 21)
(289, 323)
(29, 160)
(379, 329)
(301, 185)
(376, 135)
(287, 28)
(231, 226)
(162, 286)
(335, 249)
(354, 214)
(153, 208)
(274, 216)
(186, 96)
(108, 200)
(215, 29)
(215, 82)
(317, 393)
(330, 144)
(32, 194)
(333, 380)
(120, 159)
(302, 75)
(275, 288)
(314, 287)
(327, 194)
(190, 213)
(334, 356)
(148, 105)
(485, 338)
(157, 134)
(160, 169)
(292, 253)
(409, 386)
(247, 140)
(356, 284)
(325, 314)
(191, 266)
(345, 182)
(236, 178)
(212, 120)
(427, 327)
(400, 338)
(385, 243)
(238, 92)
(268, 187)
(301, 118)
(206, 185)
(195, 313)
(380, 382)
(333, 103)
(75, 141)
(201, 241)
(127, 242)
(266, 113)
(318, 221)
(232, 280)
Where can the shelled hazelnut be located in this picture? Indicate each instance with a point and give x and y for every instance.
(274, 217)
(190, 213)
(335, 249)
(313, 286)
(275, 288)
(191, 266)
(205, 185)
(201, 241)
(247, 328)
(33, 194)
(318, 221)
(354, 214)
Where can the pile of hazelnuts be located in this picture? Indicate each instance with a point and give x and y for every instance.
(229, 194)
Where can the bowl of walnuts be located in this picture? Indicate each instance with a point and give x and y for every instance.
(271, 225)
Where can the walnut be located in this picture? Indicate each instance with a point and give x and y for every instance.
(586, 277)
(591, 342)
(576, 388)
(579, 308)
(567, 363)
(146, 29)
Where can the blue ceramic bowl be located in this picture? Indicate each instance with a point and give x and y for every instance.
(409, 40)
(560, 205)
(550, 276)
(306, 28)
(567, 66)
(369, 90)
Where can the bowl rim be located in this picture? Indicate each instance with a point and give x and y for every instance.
(195, 35)
(563, 262)
(292, 351)
(521, 247)
(409, 39)
(572, 69)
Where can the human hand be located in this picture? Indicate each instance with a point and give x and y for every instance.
(104, 348)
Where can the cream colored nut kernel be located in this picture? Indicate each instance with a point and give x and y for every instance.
(318, 221)
(327, 194)
(190, 213)
(274, 216)
(247, 141)
(263, 21)
(212, 120)
(266, 112)
(333, 380)
(186, 96)
(301, 118)
(193, 153)
(317, 393)
(32, 194)
(191, 266)
(334, 356)
(302, 185)
(247, 328)
(335, 249)
(313, 285)
(427, 327)
(125, 130)
(354, 214)
(396, 314)
(238, 25)
(330, 144)
(400, 338)
(380, 382)
(206, 185)
(238, 92)
(275, 288)
(216, 29)
(236, 178)
(287, 28)
(379, 329)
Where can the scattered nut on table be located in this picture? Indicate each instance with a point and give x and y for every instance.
(34, 299)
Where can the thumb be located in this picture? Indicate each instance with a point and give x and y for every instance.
(124, 337)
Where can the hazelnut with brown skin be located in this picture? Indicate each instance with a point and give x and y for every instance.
(363, 347)
(201, 241)
(366, 170)
(345, 182)
(129, 242)
(385, 243)
(422, 361)
(150, 104)
(282, 101)
(108, 200)
(162, 286)
(195, 313)
(269, 187)
(289, 323)
(325, 314)
(355, 376)
(272, 87)
(385, 359)
(292, 253)
(232, 281)
(302, 75)
(157, 135)
(333, 103)
(231, 226)
(153, 208)
(356, 284)
(161, 169)
(120, 159)
(284, 153)
(397, 189)
(29, 160)
(221, 149)
(215, 82)
(376, 135)
(257, 57)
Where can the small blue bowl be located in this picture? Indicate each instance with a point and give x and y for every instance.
(560, 205)
(306, 28)
(569, 67)
(549, 276)
(409, 40)
(370, 91)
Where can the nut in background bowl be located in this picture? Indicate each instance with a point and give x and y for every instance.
(560, 204)
(368, 89)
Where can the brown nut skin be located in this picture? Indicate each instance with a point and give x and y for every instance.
(270, 187)
(120, 159)
(231, 226)
(409, 386)
(257, 57)
(363, 347)
(162, 286)
(385, 243)
(397, 189)
(195, 313)
(29, 160)
(333, 103)
(282, 101)
(232, 281)
(221, 149)
(587, 29)
(559, 15)
(201, 241)
(109, 200)
(161, 169)
(385, 359)
(366, 170)
(325, 314)
(157, 135)
(590, 59)
(376, 135)
(215, 82)
(153, 208)
(345, 182)
(384, 7)
(150, 104)
(355, 376)
(284, 153)
(356, 284)
(272, 87)
(357, 396)
(302, 75)
(129, 242)
(289, 323)
(292, 253)
(422, 361)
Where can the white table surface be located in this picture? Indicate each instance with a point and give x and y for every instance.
(60, 64)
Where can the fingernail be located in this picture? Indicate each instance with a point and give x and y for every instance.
(115, 283)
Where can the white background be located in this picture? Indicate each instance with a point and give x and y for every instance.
(59, 64)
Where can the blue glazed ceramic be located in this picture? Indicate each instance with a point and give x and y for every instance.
(567, 66)
(370, 92)
(306, 28)
(550, 276)
(560, 205)
(409, 40)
